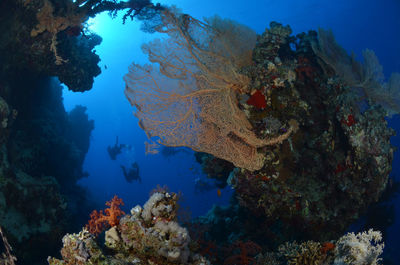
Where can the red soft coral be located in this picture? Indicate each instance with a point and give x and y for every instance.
(245, 256)
(99, 221)
(257, 100)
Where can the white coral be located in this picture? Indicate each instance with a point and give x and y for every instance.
(359, 249)
(175, 241)
(150, 204)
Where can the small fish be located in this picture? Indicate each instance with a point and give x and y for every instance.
(219, 192)
(105, 67)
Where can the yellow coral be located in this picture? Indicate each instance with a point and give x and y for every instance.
(307, 253)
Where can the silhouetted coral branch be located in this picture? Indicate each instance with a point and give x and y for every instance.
(143, 9)
(367, 76)
(7, 258)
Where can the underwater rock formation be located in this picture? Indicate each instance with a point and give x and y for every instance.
(42, 148)
(215, 168)
(148, 235)
(338, 162)
(49, 37)
(152, 235)
(42, 152)
(302, 121)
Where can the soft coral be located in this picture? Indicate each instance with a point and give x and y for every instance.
(245, 255)
(257, 100)
(99, 221)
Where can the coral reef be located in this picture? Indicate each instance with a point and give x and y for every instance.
(301, 120)
(42, 152)
(337, 163)
(223, 237)
(355, 249)
(42, 148)
(148, 235)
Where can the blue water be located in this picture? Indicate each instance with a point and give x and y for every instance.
(356, 24)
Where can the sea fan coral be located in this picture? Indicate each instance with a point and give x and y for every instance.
(368, 77)
(192, 100)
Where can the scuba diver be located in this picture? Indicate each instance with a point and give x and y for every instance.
(132, 173)
(115, 150)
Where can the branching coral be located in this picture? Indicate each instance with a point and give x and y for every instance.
(359, 249)
(192, 100)
(306, 253)
(99, 220)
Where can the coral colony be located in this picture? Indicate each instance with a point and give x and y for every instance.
(293, 124)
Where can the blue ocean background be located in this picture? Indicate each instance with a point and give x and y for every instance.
(356, 25)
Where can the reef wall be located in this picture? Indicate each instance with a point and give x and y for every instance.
(42, 147)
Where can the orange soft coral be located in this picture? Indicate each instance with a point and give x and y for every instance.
(326, 247)
(99, 221)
